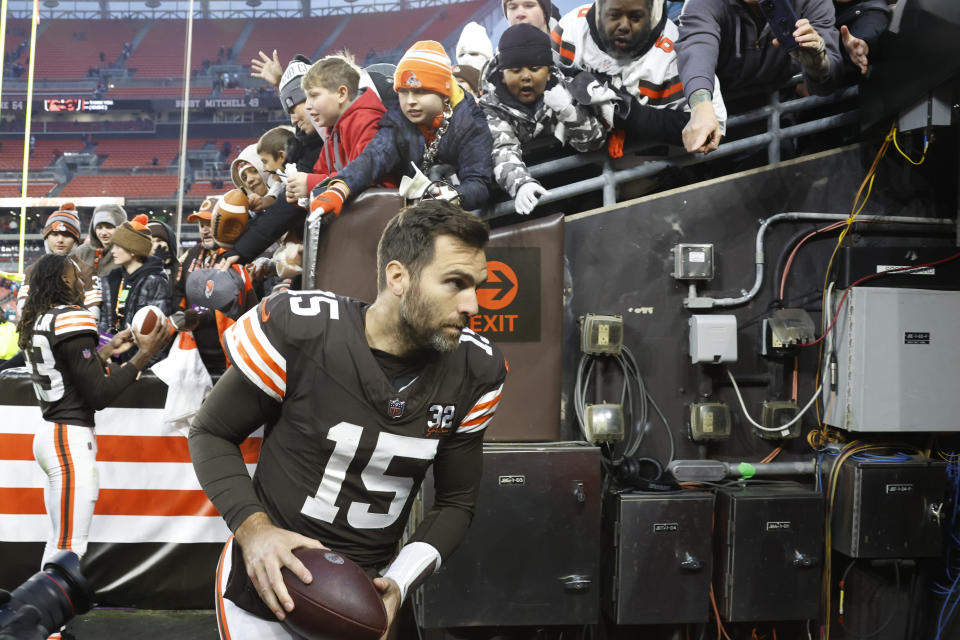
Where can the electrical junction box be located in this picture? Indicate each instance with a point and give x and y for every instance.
(693, 261)
(713, 338)
(709, 421)
(898, 361)
(531, 556)
(785, 330)
(777, 413)
(601, 335)
(890, 509)
(657, 556)
(603, 422)
(769, 552)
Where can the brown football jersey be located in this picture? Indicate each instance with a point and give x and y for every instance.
(348, 453)
(60, 397)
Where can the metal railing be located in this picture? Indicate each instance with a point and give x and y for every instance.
(611, 178)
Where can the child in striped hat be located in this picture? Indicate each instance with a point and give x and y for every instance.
(433, 130)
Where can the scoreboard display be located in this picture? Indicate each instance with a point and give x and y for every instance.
(76, 104)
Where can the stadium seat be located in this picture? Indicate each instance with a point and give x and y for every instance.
(132, 187)
(137, 152)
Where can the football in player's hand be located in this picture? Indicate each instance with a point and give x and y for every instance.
(145, 320)
(341, 603)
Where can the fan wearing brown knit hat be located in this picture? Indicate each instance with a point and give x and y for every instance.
(138, 280)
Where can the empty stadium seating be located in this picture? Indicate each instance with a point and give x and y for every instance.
(132, 187)
(288, 37)
(160, 53)
(69, 48)
(43, 152)
(34, 190)
(139, 152)
(450, 20)
(18, 30)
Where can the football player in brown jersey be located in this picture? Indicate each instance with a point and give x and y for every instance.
(72, 380)
(360, 400)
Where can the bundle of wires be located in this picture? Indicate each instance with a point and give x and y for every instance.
(634, 398)
(859, 451)
(949, 588)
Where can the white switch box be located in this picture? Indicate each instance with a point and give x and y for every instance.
(713, 338)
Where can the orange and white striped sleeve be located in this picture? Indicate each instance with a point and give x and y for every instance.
(70, 323)
(481, 413)
(255, 355)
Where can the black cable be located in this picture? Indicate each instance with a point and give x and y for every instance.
(893, 610)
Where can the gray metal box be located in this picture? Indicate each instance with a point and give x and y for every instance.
(769, 552)
(890, 509)
(657, 557)
(898, 361)
(532, 554)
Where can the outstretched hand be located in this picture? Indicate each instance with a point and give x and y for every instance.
(269, 69)
(857, 49)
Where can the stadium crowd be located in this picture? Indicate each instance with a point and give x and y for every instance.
(606, 75)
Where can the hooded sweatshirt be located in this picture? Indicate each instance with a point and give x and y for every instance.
(348, 137)
(249, 156)
(726, 38)
(145, 286)
(92, 251)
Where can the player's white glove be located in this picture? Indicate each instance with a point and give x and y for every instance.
(561, 102)
(528, 195)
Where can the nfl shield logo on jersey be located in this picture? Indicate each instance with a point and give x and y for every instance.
(395, 409)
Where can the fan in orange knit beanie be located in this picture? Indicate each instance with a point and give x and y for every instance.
(425, 66)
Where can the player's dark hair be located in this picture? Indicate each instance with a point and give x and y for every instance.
(409, 236)
(47, 290)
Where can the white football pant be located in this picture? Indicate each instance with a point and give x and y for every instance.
(68, 455)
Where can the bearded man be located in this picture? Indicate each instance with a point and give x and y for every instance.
(621, 54)
(360, 400)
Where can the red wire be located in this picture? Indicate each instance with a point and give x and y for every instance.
(870, 277)
(793, 254)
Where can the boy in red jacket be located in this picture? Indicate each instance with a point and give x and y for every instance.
(351, 116)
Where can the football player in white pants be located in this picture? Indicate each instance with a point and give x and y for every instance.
(72, 379)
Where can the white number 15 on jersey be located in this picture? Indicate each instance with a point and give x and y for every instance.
(323, 505)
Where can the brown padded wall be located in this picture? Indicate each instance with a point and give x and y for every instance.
(530, 409)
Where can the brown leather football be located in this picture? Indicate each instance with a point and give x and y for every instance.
(341, 603)
(230, 217)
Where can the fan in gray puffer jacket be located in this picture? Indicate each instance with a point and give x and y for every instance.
(525, 97)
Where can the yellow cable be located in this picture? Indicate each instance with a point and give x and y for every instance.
(854, 212)
(916, 163)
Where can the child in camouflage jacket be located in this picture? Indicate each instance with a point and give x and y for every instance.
(525, 97)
